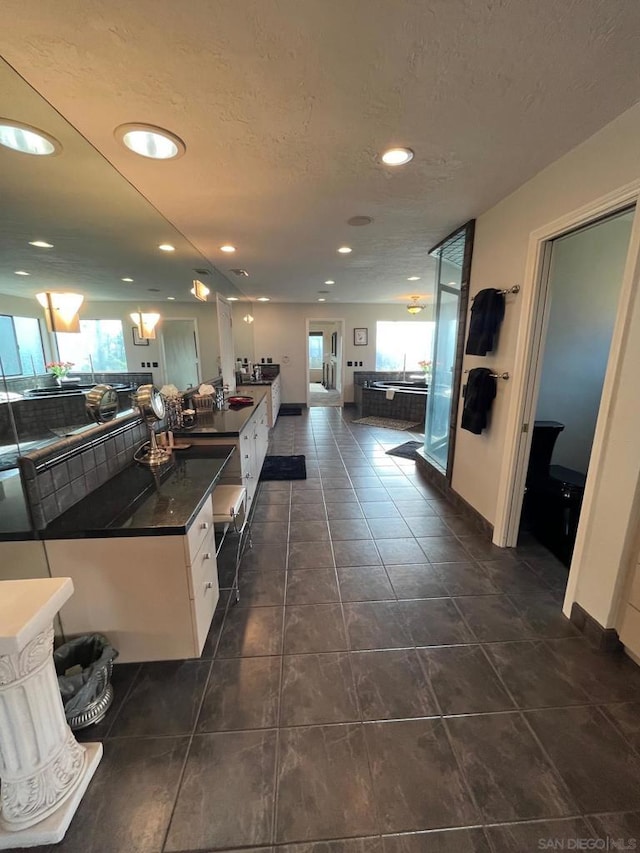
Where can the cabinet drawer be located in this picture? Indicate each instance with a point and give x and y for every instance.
(204, 581)
(202, 525)
(202, 561)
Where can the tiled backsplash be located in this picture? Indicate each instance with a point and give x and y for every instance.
(61, 474)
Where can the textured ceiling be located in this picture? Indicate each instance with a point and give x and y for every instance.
(284, 106)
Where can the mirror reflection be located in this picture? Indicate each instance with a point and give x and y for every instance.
(99, 238)
(71, 224)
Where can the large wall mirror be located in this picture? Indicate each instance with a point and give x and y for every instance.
(103, 243)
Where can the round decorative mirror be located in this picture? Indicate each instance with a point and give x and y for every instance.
(102, 403)
(150, 403)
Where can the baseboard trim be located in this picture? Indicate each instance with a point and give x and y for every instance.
(604, 639)
(437, 479)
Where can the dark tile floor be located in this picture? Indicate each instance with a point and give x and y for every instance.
(389, 682)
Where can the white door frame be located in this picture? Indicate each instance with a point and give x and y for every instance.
(341, 350)
(528, 368)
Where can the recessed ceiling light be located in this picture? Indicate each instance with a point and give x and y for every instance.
(232, 298)
(171, 298)
(227, 248)
(330, 281)
(414, 278)
(27, 140)
(41, 244)
(22, 272)
(149, 141)
(397, 156)
(322, 299)
(263, 298)
(345, 250)
(127, 279)
(166, 247)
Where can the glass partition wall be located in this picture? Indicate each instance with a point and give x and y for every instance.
(452, 296)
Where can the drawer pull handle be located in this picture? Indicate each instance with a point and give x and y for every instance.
(204, 525)
(209, 585)
(206, 556)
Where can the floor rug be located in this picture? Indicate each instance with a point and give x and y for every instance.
(388, 423)
(289, 409)
(284, 468)
(406, 450)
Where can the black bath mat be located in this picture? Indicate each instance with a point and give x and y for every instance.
(290, 409)
(284, 468)
(406, 450)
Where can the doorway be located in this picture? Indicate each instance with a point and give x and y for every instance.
(324, 369)
(181, 364)
(584, 275)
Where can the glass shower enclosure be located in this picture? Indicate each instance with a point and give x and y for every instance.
(453, 256)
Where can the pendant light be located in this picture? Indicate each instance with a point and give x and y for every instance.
(61, 311)
(414, 306)
(146, 324)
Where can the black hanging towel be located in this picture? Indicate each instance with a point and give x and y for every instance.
(478, 399)
(487, 312)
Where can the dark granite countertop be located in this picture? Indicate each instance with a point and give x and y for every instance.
(140, 501)
(227, 423)
(247, 382)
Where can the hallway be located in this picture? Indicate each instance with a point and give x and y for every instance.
(386, 671)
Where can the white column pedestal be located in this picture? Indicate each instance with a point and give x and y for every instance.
(44, 770)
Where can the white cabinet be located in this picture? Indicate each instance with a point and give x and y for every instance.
(153, 596)
(276, 397)
(252, 441)
(273, 397)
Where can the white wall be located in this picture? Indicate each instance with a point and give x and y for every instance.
(606, 161)
(280, 333)
(602, 164)
(585, 281)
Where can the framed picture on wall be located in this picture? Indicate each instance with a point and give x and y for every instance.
(137, 340)
(360, 337)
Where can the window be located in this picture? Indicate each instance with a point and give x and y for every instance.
(401, 345)
(99, 346)
(21, 346)
(315, 349)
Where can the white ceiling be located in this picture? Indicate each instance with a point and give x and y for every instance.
(284, 106)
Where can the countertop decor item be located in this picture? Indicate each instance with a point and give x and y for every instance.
(151, 405)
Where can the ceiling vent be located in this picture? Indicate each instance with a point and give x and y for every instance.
(202, 272)
(240, 272)
(360, 220)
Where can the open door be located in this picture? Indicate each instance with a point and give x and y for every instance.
(452, 297)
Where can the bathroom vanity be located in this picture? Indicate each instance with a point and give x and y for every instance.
(141, 553)
(247, 428)
(137, 541)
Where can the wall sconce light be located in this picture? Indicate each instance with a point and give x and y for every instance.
(414, 306)
(200, 290)
(61, 311)
(146, 324)
(248, 318)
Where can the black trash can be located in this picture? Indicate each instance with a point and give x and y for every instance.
(84, 666)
